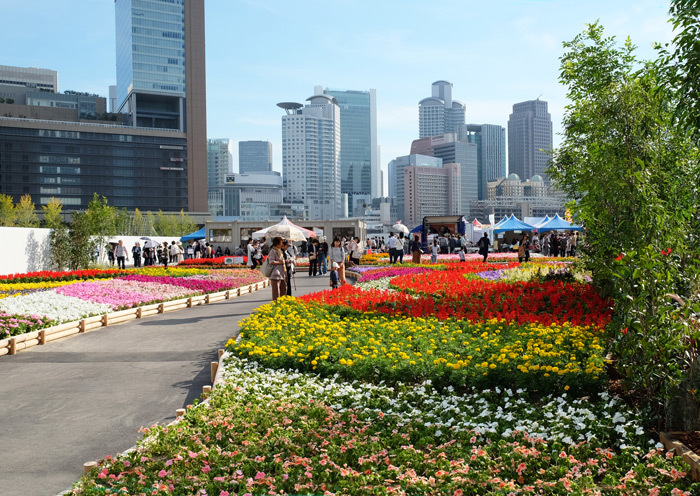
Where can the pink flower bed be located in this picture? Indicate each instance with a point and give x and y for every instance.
(120, 293)
(391, 272)
(204, 284)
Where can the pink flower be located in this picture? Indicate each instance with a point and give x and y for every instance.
(162, 473)
(192, 454)
(206, 469)
(223, 493)
(260, 475)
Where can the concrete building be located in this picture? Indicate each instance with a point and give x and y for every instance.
(113, 98)
(490, 141)
(431, 191)
(450, 150)
(391, 178)
(533, 197)
(254, 156)
(399, 164)
(360, 173)
(161, 77)
(439, 113)
(29, 77)
(311, 156)
(530, 139)
(255, 196)
(219, 162)
(133, 168)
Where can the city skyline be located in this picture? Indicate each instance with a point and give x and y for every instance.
(250, 69)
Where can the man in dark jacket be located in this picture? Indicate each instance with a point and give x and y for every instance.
(484, 243)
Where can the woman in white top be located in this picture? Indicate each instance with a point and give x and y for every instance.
(337, 254)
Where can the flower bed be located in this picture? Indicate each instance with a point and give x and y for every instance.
(64, 298)
(306, 337)
(48, 275)
(280, 432)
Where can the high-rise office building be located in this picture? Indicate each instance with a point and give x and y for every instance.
(490, 140)
(431, 191)
(254, 156)
(391, 178)
(311, 156)
(530, 139)
(219, 160)
(29, 77)
(451, 150)
(398, 165)
(360, 174)
(161, 77)
(439, 113)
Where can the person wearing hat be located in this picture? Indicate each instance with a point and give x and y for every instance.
(335, 278)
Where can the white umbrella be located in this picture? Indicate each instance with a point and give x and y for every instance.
(150, 244)
(398, 227)
(288, 232)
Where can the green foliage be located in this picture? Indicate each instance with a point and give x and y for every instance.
(25, 213)
(7, 211)
(81, 242)
(52, 213)
(633, 174)
(170, 225)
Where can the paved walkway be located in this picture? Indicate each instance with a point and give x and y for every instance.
(85, 397)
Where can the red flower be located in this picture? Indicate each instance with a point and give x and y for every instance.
(625, 331)
(620, 257)
(666, 252)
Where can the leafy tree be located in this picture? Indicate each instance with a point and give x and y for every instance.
(150, 224)
(166, 224)
(122, 222)
(185, 224)
(82, 243)
(139, 223)
(25, 213)
(7, 211)
(633, 173)
(100, 219)
(52, 213)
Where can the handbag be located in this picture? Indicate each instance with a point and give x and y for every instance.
(312, 256)
(266, 268)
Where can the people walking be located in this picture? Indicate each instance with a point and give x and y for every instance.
(323, 256)
(136, 253)
(278, 277)
(336, 254)
(434, 249)
(121, 254)
(313, 258)
(524, 249)
(289, 259)
(484, 244)
(416, 250)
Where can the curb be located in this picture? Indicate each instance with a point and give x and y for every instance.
(680, 449)
(12, 345)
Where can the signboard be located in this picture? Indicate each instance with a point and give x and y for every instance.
(238, 260)
(229, 260)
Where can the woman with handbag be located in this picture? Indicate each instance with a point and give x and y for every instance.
(416, 249)
(313, 258)
(278, 276)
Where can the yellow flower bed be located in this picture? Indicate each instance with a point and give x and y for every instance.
(292, 334)
(19, 288)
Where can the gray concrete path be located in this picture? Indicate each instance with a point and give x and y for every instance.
(85, 397)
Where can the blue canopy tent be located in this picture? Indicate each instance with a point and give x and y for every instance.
(556, 223)
(512, 224)
(418, 229)
(201, 234)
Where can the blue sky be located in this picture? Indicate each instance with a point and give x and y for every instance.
(260, 52)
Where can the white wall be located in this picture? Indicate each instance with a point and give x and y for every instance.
(23, 249)
(26, 249)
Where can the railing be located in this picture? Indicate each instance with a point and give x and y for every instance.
(89, 124)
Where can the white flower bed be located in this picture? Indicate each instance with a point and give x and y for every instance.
(490, 414)
(54, 306)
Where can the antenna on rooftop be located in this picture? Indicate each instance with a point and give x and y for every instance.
(539, 96)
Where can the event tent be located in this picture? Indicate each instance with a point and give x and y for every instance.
(201, 234)
(556, 223)
(512, 224)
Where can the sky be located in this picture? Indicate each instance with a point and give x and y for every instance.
(261, 52)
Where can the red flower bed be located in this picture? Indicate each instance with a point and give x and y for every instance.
(49, 275)
(477, 300)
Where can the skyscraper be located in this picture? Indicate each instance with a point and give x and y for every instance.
(490, 140)
(311, 155)
(451, 150)
(529, 139)
(360, 173)
(161, 77)
(439, 113)
(254, 156)
(219, 161)
(398, 165)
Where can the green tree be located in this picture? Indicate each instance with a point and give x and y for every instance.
(25, 213)
(185, 224)
(7, 211)
(633, 173)
(139, 223)
(82, 243)
(100, 219)
(166, 224)
(52, 213)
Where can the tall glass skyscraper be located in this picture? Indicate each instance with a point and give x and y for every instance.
(254, 156)
(490, 140)
(530, 139)
(439, 113)
(161, 76)
(360, 173)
